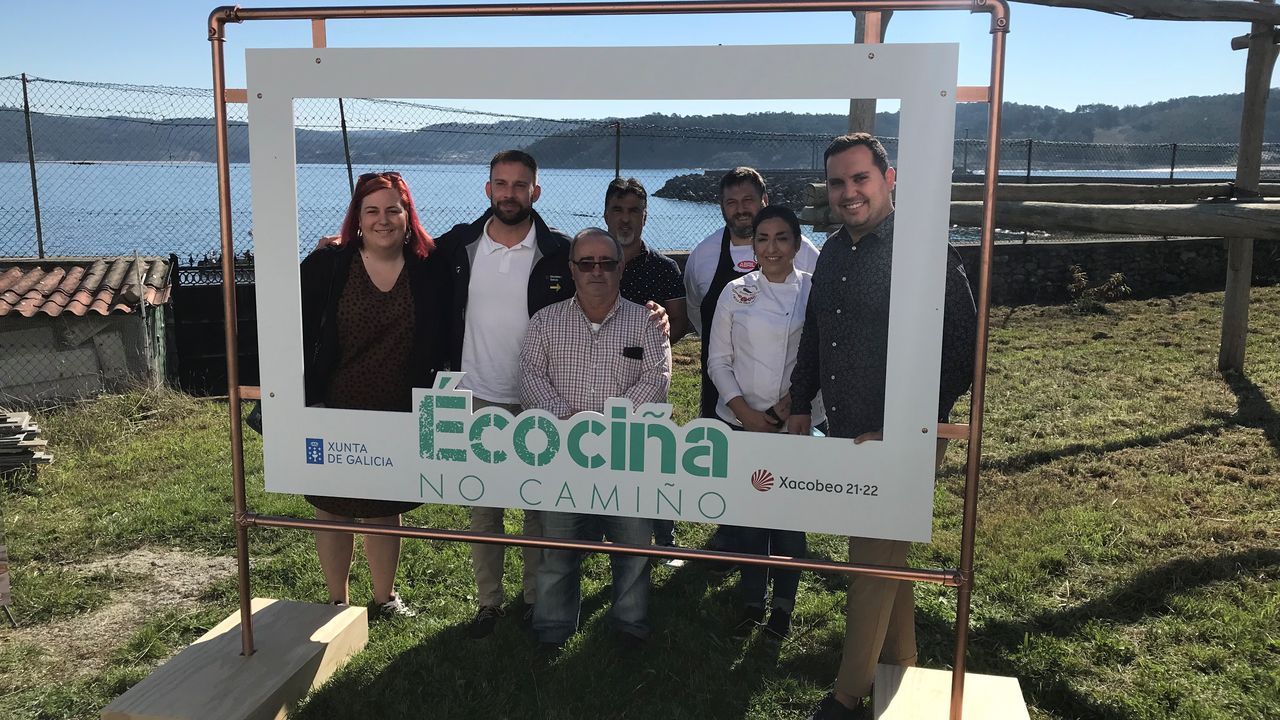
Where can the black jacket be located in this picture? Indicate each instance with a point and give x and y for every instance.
(323, 275)
(549, 279)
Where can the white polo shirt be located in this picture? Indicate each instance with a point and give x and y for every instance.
(700, 268)
(497, 317)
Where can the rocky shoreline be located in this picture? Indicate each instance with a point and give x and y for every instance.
(787, 187)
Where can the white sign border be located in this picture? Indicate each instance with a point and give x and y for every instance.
(921, 76)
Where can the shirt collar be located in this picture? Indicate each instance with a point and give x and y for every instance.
(490, 246)
(608, 316)
(882, 231)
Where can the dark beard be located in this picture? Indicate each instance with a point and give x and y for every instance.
(520, 215)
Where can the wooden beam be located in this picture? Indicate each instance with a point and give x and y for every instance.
(1224, 220)
(869, 28)
(1088, 193)
(1241, 42)
(1257, 87)
(1220, 10)
(319, 37)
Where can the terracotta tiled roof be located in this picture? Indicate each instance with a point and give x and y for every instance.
(81, 286)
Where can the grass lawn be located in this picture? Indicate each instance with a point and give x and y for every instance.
(1128, 560)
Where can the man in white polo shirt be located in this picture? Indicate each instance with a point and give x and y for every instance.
(497, 272)
(501, 269)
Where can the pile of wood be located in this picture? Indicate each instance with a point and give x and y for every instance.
(20, 443)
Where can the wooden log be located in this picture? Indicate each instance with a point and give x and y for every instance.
(1221, 10)
(1103, 193)
(1090, 193)
(1226, 220)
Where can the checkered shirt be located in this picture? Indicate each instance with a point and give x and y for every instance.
(567, 368)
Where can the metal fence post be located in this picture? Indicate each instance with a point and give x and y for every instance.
(1173, 160)
(346, 146)
(31, 161)
(1030, 143)
(617, 148)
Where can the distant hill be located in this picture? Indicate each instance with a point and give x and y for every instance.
(760, 139)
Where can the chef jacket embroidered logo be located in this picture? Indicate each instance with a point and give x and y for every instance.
(762, 480)
(746, 265)
(745, 294)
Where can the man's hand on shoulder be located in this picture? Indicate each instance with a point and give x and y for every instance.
(658, 317)
(328, 241)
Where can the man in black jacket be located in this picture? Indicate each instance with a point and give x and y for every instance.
(498, 271)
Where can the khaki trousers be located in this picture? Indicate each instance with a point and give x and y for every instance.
(487, 560)
(880, 615)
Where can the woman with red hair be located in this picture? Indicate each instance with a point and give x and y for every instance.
(369, 335)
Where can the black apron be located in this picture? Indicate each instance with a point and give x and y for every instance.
(726, 272)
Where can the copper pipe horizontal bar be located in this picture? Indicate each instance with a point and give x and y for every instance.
(225, 14)
(253, 392)
(973, 94)
(949, 578)
(235, 95)
(953, 431)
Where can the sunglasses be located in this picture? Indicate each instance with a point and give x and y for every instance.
(587, 266)
(390, 175)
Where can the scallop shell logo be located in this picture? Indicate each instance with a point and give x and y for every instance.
(762, 480)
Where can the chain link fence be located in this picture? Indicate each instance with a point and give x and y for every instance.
(120, 169)
(91, 170)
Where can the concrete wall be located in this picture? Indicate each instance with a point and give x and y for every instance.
(1040, 272)
(44, 358)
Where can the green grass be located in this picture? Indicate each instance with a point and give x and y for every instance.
(1128, 558)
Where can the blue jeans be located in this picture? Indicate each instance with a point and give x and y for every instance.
(755, 578)
(555, 616)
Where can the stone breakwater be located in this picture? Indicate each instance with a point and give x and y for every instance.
(786, 187)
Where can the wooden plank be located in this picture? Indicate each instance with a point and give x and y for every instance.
(973, 94)
(235, 95)
(318, 35)
(913, 693)
(1239, 220)
(298, 646)
(1219, 10)
(1229, 220)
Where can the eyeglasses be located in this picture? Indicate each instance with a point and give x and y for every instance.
(390, 175)
(587, 266)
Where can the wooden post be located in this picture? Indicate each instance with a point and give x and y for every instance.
(869, 27)
(1235, 301)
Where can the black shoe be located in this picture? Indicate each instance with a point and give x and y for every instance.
(524, 611)
(831, 709)
(486, 619)
(631, 643)
(750, 618)
(547, 652)
(779, 624)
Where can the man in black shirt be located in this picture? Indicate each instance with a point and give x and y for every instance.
(843, 353)
(648, 275)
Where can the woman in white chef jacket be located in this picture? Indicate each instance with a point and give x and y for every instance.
(754, 340)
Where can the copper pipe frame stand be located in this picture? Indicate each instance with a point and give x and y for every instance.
(962, 578)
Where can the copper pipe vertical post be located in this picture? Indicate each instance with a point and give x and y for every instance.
(999, 10)
(217, 22)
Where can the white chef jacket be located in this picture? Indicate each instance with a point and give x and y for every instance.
(700, 269)
(754, 341)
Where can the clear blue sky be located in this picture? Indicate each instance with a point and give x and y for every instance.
(1057, 57)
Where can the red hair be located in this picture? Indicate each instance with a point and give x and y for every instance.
(418, 240)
